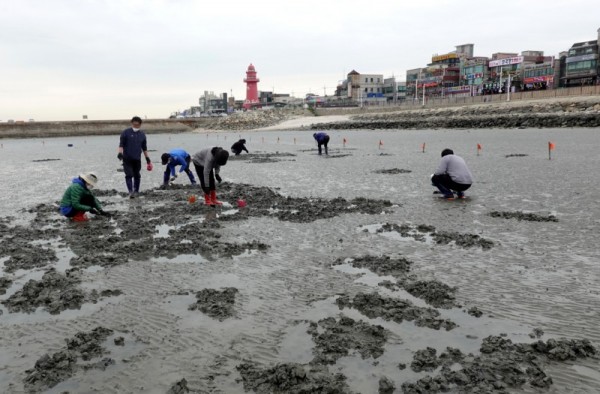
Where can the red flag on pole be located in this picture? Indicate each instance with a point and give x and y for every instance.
(380, 144)
(423, 147)
(478, 146)
(551, 145)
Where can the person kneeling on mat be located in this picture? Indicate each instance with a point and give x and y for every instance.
(78, 199)
(176, 157)
(208, 163)
(452, 175)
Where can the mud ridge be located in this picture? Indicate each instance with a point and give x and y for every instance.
(292, 378)
(374, 305)
(214, 303)
(335, 338)
(392, 171)
(502, 365)
(49, 370)
(420, 233)
(530, 217)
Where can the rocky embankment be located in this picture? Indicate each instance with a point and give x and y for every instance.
(584, 112)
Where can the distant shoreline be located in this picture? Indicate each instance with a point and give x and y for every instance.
(546, 113)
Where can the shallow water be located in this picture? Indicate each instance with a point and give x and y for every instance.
(538, 274)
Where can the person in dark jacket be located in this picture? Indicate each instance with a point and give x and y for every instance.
(131, 146)
(176, 157)
(322, 139)
(78, 199)
(208, 163)
(238, 147)
(452, 175)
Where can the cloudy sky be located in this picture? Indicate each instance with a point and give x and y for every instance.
(111, 59)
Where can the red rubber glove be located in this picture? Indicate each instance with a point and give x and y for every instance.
(149, 167)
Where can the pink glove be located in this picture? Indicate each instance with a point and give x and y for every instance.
(149, 167)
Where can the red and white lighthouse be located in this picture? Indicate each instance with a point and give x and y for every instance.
(251, 88)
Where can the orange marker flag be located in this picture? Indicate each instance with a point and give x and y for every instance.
(478, 149)
(380, 144)
(423, 147)
(344, 141)
(551, 147)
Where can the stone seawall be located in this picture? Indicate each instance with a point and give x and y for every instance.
(540, 114)
(83, 128)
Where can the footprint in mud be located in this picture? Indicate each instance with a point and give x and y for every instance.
(214, 303)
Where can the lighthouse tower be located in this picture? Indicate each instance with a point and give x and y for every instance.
(251, 88)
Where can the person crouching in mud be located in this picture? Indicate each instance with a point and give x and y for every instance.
(208, 163)
(78, 199)
(176, 157)
(238, 147)
(322, 139)
(452, 175)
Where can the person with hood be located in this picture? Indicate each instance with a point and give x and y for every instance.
(238, 147)
(322, 139)
(131, 146)
(176, 157)
(208, 163)
(78, 199)
(452, 175)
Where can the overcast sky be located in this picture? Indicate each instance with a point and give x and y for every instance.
(112, 59)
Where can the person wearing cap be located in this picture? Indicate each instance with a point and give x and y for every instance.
(78, 198)
(238, 147)
(208, 163)
(176, 157)
(452, 175)
(131, 146)
(322, 140)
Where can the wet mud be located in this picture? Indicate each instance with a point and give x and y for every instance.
(530, 217)
(55, 293)
(51, 369)
(336, 338)
(218, 304)
(375, 305)
(292, 378)
(23, 254)
(502, 366)
(392, 171)
(420, 233)
(5, 283)
(179, 387)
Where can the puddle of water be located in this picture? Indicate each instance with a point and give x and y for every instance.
(163, 230)
(296, 345)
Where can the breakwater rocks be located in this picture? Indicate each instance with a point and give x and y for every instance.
(538, 114)
(104, 127)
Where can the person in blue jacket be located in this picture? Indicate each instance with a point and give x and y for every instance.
(131, 146)
(176, 157)
(322, 140)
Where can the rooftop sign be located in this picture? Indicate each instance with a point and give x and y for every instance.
(506, 62)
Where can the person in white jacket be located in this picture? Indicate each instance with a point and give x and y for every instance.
(452, 175)
(208, 163)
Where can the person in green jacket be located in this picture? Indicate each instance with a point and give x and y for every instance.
(78, 199)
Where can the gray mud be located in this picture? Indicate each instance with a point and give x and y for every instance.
(420, 232)
(502, 366)
(530, 217)
(55, 292)
(381, 265)
(5, 283)
(392, 171)
(516, 155)
(49, 370)
(179, 387)
(375, 305)
(335, 338)
(292, 378)
(22, 253)
(214, 303)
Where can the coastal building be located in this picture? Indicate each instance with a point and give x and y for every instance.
(362, 88)
(474, 72)
(582, 64)
(393, 90)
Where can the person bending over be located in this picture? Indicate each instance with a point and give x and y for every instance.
(452, 175)
(78, 199)
(238, 147)
(322, 140)
(176, 157)
(208, 164)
